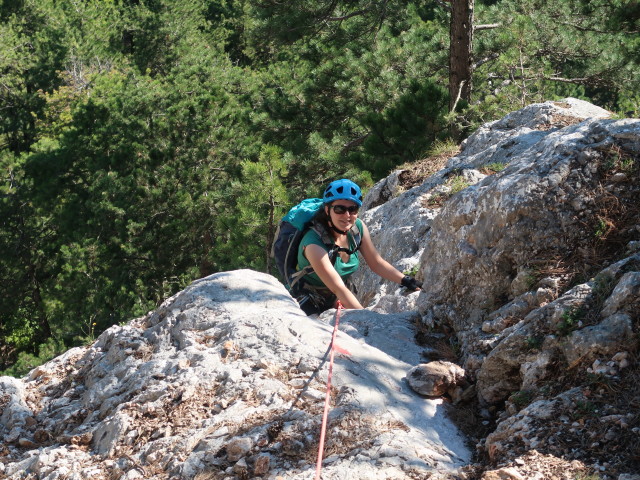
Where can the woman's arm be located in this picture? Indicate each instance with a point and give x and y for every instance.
(375, 261)
(322, 266)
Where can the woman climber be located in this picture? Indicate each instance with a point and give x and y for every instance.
(332, 246)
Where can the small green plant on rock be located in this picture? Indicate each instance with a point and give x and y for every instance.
(597, 380)
(617, 160)
(570, 320)
(491, 168)
(443, 147)
(603, 228)
(587, 476)
(532, 279)
(521, 398)
(534, 342)
(455, 346)
(584, 408)
(602, 288)
(412, 271)
(457, 183)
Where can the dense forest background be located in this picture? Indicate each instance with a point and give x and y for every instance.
(147, 143)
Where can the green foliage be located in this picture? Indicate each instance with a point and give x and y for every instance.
(405, 130)
(521, 398)
(456, 184)
(587, 476)
(602, 228)
(546, 51)
(617, 161)
(25, 362)
(360, 101)
(262, 201)
(491, 168)
(131, 184)
(133, 207)
(534, 342)
(413, 271)
(570, 320)
(31, 54)
(532, 280)
(144, 144)
(603, 285)
(584, 408)
(446, 147)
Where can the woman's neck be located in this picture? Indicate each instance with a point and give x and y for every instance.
(336, 232)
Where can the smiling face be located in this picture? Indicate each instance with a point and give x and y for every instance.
(345, 216)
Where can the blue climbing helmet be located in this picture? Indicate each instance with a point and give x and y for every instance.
(342, 189)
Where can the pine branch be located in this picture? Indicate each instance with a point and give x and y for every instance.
(443, 4)
(487, 26)
(355, 142)
(568, 80)
(455, 104)
(595, 30)
(488, 59)
(345, 17)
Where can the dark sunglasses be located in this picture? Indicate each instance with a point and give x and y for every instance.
(340, 209)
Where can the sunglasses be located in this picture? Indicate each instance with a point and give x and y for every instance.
(341, 209)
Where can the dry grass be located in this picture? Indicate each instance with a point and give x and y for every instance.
(560, 120)
(454, 184)
(592, 439)
(611, 223)
(356, 430)
(415, 173)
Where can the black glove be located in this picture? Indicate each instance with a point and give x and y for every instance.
(410, 283)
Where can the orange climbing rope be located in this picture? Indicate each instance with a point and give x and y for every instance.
(323, 428)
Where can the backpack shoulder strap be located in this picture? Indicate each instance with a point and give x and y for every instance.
(320, 229)
(357, 235)
(334, 249)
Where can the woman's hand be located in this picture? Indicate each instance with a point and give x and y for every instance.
(411, 283)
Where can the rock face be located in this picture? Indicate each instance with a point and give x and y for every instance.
(545, 205)
(532, 269)
(207, 386)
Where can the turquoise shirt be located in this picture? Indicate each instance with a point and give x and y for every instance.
(344, 269)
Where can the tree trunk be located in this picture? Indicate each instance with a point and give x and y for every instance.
(461, 43)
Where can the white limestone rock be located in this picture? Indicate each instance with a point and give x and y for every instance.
(206, 383)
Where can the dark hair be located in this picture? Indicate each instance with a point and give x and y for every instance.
(322, 216)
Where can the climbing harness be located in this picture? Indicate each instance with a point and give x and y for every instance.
(327, 399)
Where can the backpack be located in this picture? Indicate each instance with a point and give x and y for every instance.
(287, 239)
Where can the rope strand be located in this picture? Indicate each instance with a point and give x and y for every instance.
(327, 400)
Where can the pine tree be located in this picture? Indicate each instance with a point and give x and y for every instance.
(262, 199)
